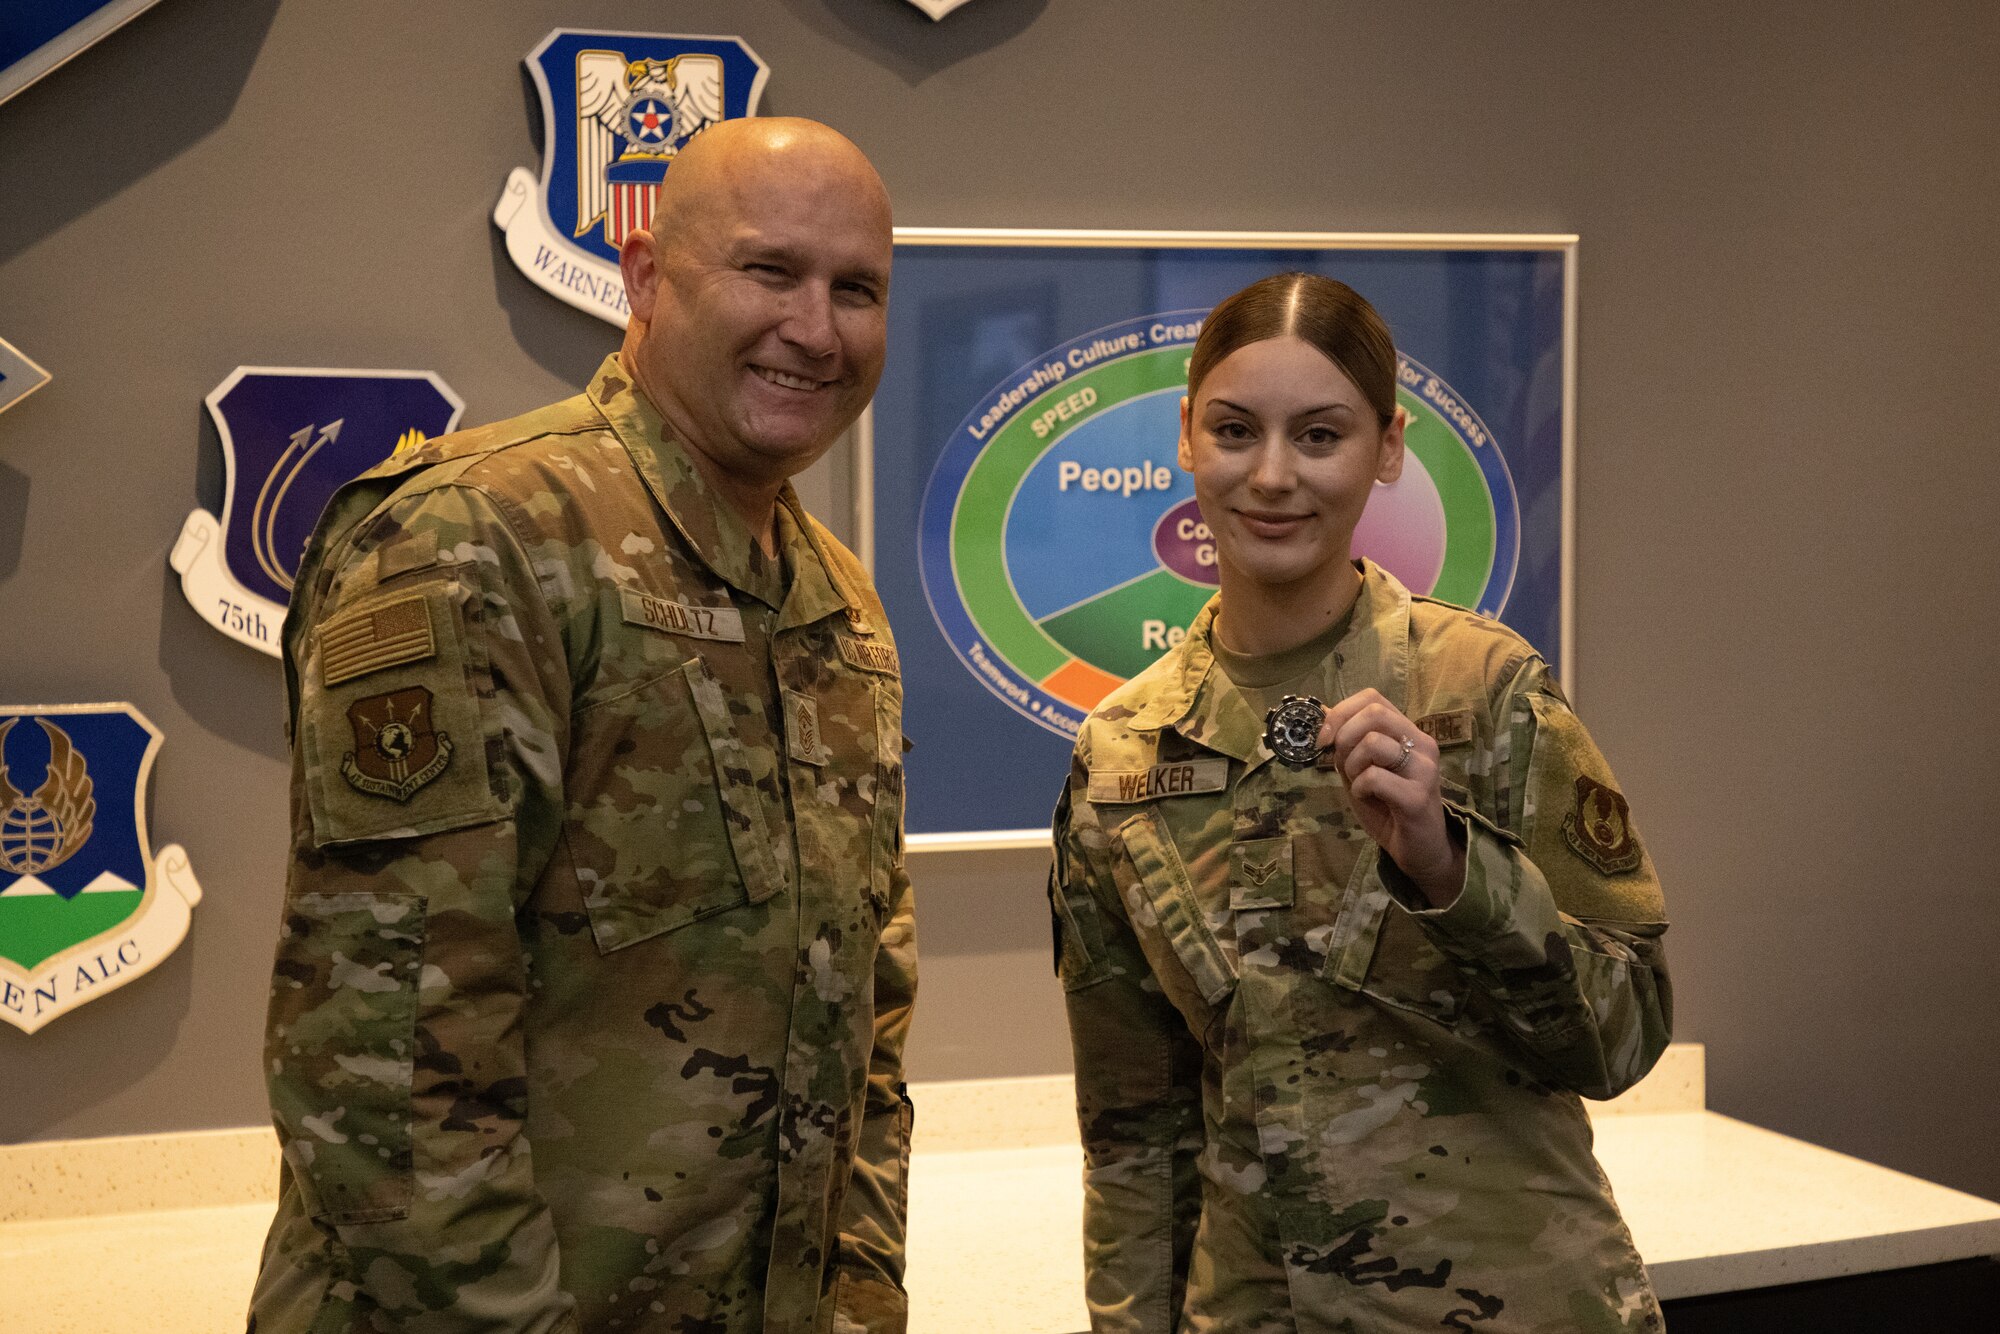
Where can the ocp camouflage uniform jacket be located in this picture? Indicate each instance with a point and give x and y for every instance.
(598, 954)
(1308, 1102)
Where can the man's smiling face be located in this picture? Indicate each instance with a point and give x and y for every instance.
(765, 317)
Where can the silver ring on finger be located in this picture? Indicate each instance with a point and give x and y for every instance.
(1409, 745)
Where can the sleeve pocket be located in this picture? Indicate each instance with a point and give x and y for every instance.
(342, 1050)
(393, 740)
(1171, 898)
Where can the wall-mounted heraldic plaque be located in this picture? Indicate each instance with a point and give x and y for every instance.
(616, 108)
(291, 437)
(86, 905)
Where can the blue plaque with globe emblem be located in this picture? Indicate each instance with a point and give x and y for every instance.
(85, 904)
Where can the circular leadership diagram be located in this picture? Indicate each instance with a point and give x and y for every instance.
(1061, 549)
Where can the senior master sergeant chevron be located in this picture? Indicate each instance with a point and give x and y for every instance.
(597, 955)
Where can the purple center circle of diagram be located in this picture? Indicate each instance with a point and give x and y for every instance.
(1183, 543)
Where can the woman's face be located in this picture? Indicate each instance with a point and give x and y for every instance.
(1284, 449)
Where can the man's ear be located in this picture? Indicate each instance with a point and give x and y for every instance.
(639, 262)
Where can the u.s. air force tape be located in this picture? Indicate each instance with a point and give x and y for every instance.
(1178, 779)
(869, 656)
(681, 618)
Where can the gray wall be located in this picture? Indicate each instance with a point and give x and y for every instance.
(1786, 589)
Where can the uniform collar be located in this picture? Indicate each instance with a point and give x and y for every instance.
(1199, 701)
(813, 592)
(712, 529)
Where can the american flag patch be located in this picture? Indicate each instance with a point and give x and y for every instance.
(368, 639)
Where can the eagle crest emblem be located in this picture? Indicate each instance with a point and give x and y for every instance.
(631, 118)
(617, 108)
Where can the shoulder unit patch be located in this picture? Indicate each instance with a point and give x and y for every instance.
(1599, 830)
(396, 751)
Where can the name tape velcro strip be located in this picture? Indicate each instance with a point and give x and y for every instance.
(681, 618)
(1179, 779)
(368, 639)
(1451, 728)
(868, 656)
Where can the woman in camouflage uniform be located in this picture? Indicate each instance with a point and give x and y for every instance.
(1332, 1022)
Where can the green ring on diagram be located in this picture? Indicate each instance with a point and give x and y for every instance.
(986, 498)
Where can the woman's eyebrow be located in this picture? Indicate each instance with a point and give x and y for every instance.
(1302, 412)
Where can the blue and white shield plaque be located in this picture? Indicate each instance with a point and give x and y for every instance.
(291, 437)
(616, 108)
(85, 904)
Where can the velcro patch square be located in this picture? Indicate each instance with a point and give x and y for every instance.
(803, 739)
(367, 639)
(412, 551)
(1260, 873)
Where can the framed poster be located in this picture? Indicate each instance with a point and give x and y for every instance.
(1034, 539)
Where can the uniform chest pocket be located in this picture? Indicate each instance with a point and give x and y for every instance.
(1383, 952)
(665, 824)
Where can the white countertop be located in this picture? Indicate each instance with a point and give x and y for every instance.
(1715, 1205)
(163, 1233)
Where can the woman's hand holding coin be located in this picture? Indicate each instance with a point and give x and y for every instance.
(1391, 770)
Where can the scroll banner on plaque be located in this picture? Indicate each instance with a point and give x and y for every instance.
(1034, 538)
(291, 437)
(86, 906)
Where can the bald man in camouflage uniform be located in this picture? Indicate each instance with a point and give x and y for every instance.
(1312, 1101)
(598, 955)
